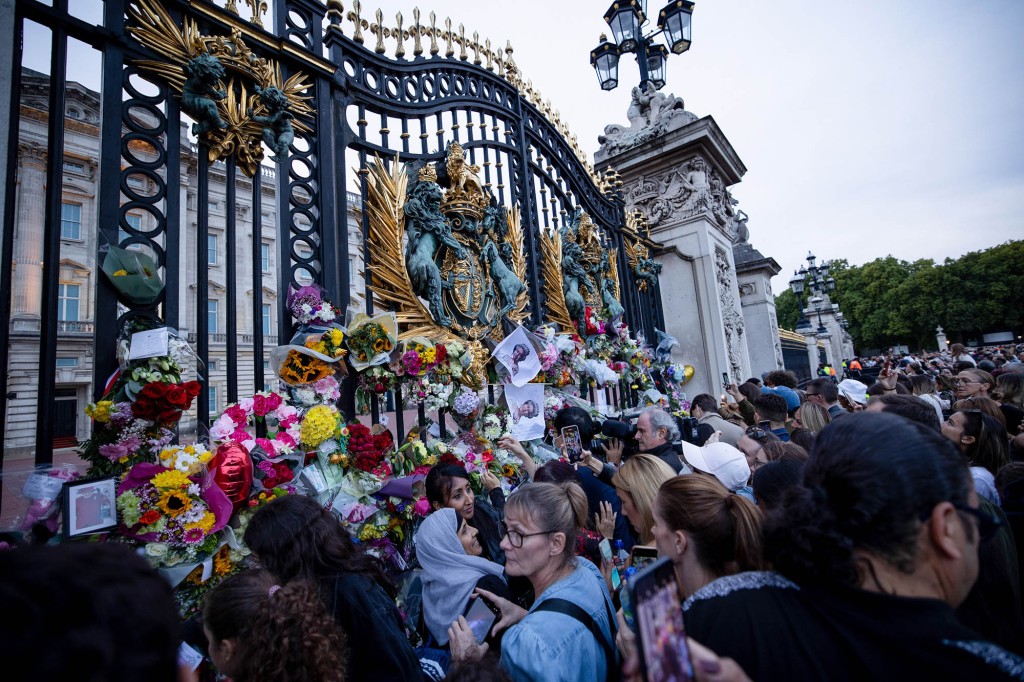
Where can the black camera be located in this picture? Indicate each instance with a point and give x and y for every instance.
(688, 429)
(624, 431)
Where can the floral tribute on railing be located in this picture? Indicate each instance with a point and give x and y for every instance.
(185, 502)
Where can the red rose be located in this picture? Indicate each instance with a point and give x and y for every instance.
(259, 405)
(170, 416)
(440, 353)
(193, 388)
(152, 516)
(176, 396)
(273, 402)
(153, 390)
(144, 409)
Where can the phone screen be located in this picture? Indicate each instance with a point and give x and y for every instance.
(765, 424)
(480, 618)
(659, 617)
(642, 556)
(571, 443)
(725, 380)
(606, 554)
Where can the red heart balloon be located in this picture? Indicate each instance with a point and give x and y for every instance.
(232, 472)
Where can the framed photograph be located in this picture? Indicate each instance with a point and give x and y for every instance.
(89, 506)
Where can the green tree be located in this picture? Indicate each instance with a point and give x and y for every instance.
(787, 309)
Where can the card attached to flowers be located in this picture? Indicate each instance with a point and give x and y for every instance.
(517, 354)
(371, 339)
(151, 343)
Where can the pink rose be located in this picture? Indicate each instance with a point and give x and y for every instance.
(422, 507)
(259, 405)
(237, 414)
(266, 445)
(273, 402)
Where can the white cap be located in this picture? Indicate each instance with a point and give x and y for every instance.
(721, 460)
(854, 390)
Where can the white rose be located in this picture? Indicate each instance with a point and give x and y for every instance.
(156, 550)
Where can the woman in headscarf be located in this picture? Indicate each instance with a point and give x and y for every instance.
(450, 554)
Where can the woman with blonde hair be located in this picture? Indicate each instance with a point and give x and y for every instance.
(973, 383)
(813, 417)
(636, 484)
(706, 531)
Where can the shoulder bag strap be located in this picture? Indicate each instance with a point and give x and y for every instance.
(567, 608)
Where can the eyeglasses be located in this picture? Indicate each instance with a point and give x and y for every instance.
(515, 538)
(959, 382)
(988, 523)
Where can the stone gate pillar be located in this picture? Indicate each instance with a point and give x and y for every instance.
(675, 169)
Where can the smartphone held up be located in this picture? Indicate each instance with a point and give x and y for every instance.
(571, 444)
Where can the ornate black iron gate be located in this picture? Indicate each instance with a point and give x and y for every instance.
(351, 102)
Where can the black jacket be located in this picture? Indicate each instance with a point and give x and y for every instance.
(377, 645)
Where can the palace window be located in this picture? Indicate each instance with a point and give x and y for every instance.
(67, 308)
(211, 317)
(71, 221)
(211, 248)
(266, 318)
(265, 257)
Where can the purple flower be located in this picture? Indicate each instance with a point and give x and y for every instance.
(194, 536)
(113, 451)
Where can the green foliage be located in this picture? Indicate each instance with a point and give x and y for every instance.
(890, 301)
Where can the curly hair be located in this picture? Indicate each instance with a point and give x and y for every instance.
(870, 479)
(295, 537)
(282, 633)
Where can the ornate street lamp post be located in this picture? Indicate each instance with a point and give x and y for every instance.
(816, 279)
(627, 19)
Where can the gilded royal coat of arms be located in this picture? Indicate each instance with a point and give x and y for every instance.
(443, 253)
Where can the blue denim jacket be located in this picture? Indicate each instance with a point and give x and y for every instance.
(554, 647)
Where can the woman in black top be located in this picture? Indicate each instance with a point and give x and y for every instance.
(874, 549)
(297, 539)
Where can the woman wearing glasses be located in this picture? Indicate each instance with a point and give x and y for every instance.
(973, 383)
(874, 549)
(568, 632)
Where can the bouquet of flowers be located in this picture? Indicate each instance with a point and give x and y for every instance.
(133, 274)
(169, 509)
(465, 409)
(281, 419)
(308, 306)
(371, 339)
(372, 384)
(367, 450)
(330, 343)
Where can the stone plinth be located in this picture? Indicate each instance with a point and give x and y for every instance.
(678, 179)
(754, 272)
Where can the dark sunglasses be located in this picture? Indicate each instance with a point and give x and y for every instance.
(988, 523)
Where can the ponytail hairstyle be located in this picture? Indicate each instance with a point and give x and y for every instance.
(282, 633)
(989, 449)
(555, 507)
(870, 480)
(641, 476)
(724, 528)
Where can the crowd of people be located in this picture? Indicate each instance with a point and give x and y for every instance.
(867, 525)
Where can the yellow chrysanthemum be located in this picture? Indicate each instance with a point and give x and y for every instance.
(204, 524)
(174, 503)
(206, 457)
(428, 356)
(318, 425)
(171, 480)
(337, 337)
(370, 532)
(100, 411)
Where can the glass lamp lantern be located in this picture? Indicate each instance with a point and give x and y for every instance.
(657, 59)
(797, 284)
(624, 18)
(605, 60)
(674, 19)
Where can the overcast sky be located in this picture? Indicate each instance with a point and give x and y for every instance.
(868, 128)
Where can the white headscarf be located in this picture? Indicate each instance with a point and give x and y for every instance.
(449, 574)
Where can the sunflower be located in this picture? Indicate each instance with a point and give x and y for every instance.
(171, 480)
(174, 503)
(378, 345)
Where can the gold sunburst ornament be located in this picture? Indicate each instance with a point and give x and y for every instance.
(238, 100)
